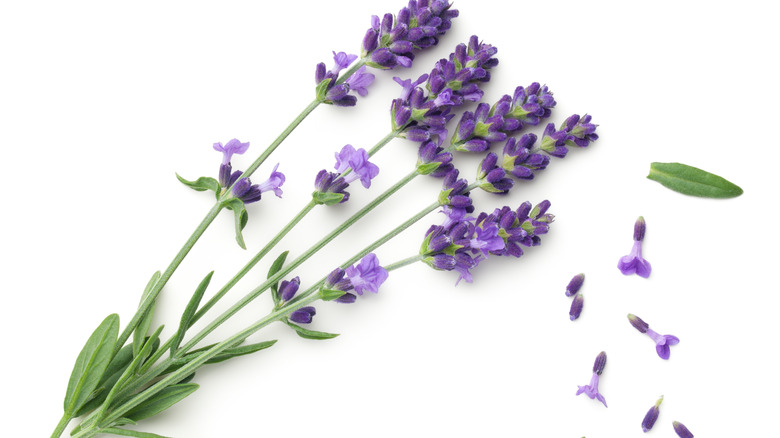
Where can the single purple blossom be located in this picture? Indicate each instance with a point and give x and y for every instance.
(681, 430)
(575, 284)
(341, 60)
(576, 307)
(652, 415)
(342, 158)
(360, 81)
(234, 146)
(486, 239)
(634, 263)
(592, 389)
(361, 168)
(273, 183)
(367, 275)
(304, 315)
(662, 342)
(288, 289)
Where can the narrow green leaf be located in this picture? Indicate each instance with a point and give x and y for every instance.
(189, 311)
(142, 329)
(240, 351)
(276, 267)
(327, 198)
(331, 294)
(322, 89)
(114, 370)
(428, 168)
(91, 364)
(239, 210)
(692, 181)
(161, 401)
(126, 432)
(201, 184)
(310, 334)
(151, 345)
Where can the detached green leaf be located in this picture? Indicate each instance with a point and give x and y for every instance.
(91, 364)
(142, 329)
(201, 184)
(161, 401)
(692, 181)
(239, 210)
(189, 311)
(240, 351)
(276, 267)
(135, 433)
(310, 334)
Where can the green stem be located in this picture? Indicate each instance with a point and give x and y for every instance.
(251, 264)
(275, 144)
(144, 307)
(294, 264)
(404, 262)
(61, 425)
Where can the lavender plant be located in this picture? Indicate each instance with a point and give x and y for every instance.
(122, 377)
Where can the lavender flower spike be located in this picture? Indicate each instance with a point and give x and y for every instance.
(634, 263)
(651, 416)
(681, 430)
(592, 389)
(662, 342)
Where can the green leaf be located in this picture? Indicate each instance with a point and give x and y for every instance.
(239, 210)
(692, 181)
(427, 168)
(331, 294)
(142, 329)
(201, 184)
(322, 89)
(327, 198)
(110, 376)
(189, 311)
(135, 433)
(310, 334)
(276, 267)
(91, 364)
(161, 401)
(240, 351)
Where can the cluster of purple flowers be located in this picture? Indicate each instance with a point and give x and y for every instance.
(477, 130)
(421, 116)
(389, 42)
(331, 92)
(366, 276)
(331, 186)
(243, 188)
(462, 242)
(574, 131)
(433, 160)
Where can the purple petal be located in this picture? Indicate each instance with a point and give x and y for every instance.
(663, 351)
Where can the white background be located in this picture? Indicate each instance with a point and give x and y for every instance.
(102, 102)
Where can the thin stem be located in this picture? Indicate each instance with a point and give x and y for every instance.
(350, 71)
(404, 262)
(61, 425)
(294, 264)
(251, 264)
(275, 144)
(157, 288)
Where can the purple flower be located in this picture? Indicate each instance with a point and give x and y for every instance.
(232, 147)
(519, 160)
(330, 188)
(492, 178)
(360, 81)
(361, 168)
(341, 60)
(244, 190)
(329, 88)
(304, 315)
(662, 342)
(367, 275)
(633, 263)
(455, 192)
(336, 281)
(486, 239)
(274, 182)
(575, 284)
(652, 415)
(288, 289)
(433, 160)
(576, 307)
(681, 430)
(592, 389)
(574, 131)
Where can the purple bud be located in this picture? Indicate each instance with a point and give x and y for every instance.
(304, 315)
(651, 416)
(681, 430)
(601, 361)
(576, 307)
(638, 323)
(575, 284)
(639, 229)
(288, 289)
